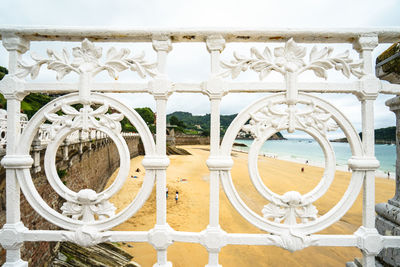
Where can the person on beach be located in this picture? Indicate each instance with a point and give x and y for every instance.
(176, 196)
(388, 175)
(166, 192)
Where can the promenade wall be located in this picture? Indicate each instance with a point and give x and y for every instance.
(182, 140)
(89, 169)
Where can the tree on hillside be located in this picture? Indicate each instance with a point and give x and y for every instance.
(33, 102)
(3, 72)
(205, 132)
(127, 125)
(181, 124)
(174, 120)
(147, 114)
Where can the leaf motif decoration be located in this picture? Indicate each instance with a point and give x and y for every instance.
(56, 62)
(103, 210)
(290, 58)
(86, 59)
(322, 60)
(317, 118)
(84, 119)
(118, 60)
(86, 207)
(261, 63)
(72, 209)
(288, 208)
(86, 236)
(290, 213)
(292, 241)
(271, 116)
(268, 117)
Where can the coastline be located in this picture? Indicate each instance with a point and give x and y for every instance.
(189, 175)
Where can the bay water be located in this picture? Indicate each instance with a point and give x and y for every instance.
(302, 150)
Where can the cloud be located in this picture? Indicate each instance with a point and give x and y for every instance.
(222, 13)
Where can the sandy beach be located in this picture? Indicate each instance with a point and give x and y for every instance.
(190, 176)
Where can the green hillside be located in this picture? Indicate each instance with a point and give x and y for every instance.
(382, 136)
(385, 135)
(200, 124)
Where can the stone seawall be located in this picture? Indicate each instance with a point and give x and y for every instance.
(191, 140)
(89, 168)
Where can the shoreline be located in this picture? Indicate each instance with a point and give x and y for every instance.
(189, 175)
(344, 168)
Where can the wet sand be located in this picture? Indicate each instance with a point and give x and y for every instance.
(190, 176)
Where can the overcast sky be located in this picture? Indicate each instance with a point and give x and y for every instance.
(191, 62)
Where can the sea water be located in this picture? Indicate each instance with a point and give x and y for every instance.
(308, 149)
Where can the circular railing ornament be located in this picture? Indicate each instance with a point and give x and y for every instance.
(86, 207)
(98, 203)
(292, 216)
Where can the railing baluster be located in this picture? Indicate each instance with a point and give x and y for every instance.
(215, 45)
(369, 92)
(14, 95)
(161, 86)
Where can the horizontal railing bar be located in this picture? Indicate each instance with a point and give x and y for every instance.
(187, 87)
(249, 239)
(193, 237)
(58, 235)
(391, 241)
(258, 87)
(332, 35)
(390, 88)
(61, 87)
(234, 87)
(335, 240)
(128, 236)
(44, 235)
(187, 237)
(320, 240)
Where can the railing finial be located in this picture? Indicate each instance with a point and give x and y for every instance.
(215, 42)
(13, 42)
(162, 43)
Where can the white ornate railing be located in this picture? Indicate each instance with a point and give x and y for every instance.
(289, 220)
